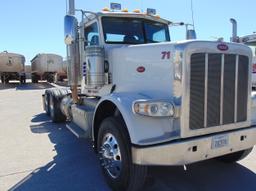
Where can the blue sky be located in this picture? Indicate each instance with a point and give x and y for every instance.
(30, 27)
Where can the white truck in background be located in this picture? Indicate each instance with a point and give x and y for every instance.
(147, 101)
(249, 40)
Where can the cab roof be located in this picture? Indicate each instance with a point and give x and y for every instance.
(249, 39)
(129, 15)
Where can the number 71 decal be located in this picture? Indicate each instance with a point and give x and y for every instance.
(166, 55)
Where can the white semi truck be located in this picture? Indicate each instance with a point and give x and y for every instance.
(147, 101)
(249, 40)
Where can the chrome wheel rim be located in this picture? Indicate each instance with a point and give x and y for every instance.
(111, 158)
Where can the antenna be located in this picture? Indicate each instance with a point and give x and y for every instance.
(66, 6)
(192, 13)
(141, 5)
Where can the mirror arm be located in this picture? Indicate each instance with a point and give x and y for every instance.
(85, 12)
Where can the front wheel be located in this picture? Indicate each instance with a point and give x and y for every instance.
(114, 150)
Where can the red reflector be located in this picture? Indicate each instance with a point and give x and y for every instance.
(222, 47)
(254, 68)
(141, 69)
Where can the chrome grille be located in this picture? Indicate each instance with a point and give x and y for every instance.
(218, 89)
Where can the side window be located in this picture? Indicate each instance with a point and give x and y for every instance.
(91, 35)
(156, 32)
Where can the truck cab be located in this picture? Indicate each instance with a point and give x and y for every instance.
(146, 101)
(110, 31)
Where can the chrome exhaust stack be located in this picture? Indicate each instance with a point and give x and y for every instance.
(73, 56)
(71, 7)
(234, 37)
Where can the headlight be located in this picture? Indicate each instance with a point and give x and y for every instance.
(154, 109)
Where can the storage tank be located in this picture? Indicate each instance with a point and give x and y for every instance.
(48, 67)
(12, 67)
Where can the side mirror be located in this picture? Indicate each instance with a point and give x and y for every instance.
(70, 29)
(191, 34)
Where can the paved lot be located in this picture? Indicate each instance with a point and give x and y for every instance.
(38, 155)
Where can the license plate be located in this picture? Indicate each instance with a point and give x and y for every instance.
(219, 141)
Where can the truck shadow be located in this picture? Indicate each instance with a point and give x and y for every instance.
(76, 167)
(204, 176)
(8, 86)
(31, 86)
(27, 86)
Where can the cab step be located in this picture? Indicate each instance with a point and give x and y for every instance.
(76, 130)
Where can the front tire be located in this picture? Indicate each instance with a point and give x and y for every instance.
(234, 157)
(114, 150)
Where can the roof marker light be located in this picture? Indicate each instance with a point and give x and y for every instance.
(125, 10)
(106, 9)
(136, 11)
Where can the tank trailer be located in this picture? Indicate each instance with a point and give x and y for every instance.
(146, 101)
(12, 67)
(49, 67)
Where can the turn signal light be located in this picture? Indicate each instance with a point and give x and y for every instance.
(125, 10)
(136, 11)
(106, 9)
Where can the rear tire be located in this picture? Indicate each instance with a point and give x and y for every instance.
(118, 169)
(50, 78)
(55, 112)
(47, 103)
(234, 157)
(34, 78)
(55, 96)
(6, 81)
(23, 79)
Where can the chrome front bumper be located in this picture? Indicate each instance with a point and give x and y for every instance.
(194, 149)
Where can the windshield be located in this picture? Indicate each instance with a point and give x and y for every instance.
(134, 31)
